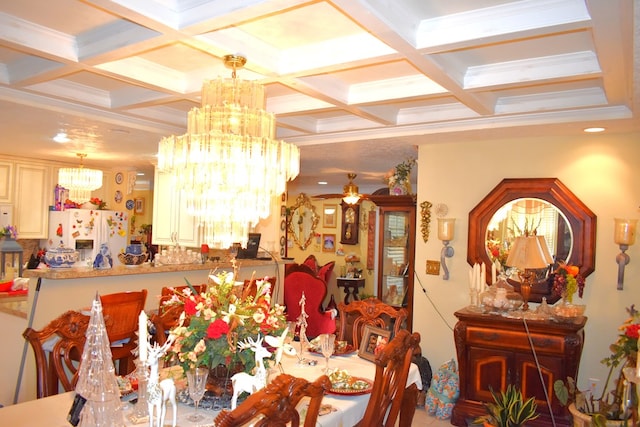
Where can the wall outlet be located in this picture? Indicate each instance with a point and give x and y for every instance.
(433, 267)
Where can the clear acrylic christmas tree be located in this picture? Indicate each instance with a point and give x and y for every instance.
(97, 381)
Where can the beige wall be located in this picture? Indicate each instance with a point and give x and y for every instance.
(602, 170)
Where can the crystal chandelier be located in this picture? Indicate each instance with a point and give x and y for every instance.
(80, 181)
(228, 165)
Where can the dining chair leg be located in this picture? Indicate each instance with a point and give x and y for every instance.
(409, 402)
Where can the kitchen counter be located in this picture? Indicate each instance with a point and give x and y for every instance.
(14, 304)
(146, 268)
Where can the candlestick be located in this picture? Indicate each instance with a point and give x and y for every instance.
(142, 336)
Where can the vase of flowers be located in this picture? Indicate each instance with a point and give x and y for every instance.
(399, 178)
(220, 318)
(612, 407)
(9, 232)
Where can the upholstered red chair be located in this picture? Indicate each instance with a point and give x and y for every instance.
(300, 279)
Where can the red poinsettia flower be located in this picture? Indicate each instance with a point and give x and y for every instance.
(217, 328)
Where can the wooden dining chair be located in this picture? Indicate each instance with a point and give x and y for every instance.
(121, 311)
(58, 349)
(390, 395)
(167, 292)
(358, 314)
(168, 315)
(277, 402)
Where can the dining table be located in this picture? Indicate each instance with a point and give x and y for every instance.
(339, 408)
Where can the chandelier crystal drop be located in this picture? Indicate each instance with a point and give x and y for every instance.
(80, 181)
(228, 165)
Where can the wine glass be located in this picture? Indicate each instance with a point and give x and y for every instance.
(326, 346)
(197, 381)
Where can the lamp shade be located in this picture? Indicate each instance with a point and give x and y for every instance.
(529, 252)
(445, 228)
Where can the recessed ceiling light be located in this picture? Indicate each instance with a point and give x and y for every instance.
(61, 137)
(322, 182)
(594, 130)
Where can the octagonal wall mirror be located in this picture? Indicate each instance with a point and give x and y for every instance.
(543, 204)
(302, 221)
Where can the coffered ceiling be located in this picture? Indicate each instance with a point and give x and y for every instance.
(357, 84)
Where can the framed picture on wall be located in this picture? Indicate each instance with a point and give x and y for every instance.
(330, 213)
(372, 338)
(139, 206)
(328, 243)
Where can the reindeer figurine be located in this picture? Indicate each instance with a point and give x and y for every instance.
(159, 392)
(243, 382)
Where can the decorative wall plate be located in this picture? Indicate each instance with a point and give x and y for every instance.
(118, 196)
(119, 178)
(129, 204)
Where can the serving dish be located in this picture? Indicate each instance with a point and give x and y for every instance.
(132, 260)
(353, 391)
(61, 257)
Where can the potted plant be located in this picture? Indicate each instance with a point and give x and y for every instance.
(509, 409)
(612, 406)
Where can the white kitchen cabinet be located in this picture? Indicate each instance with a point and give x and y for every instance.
(6, 181)
(33, 196)
(172, 225)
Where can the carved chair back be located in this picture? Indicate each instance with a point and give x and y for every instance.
(58, 349)
(390, 396)
(276, 404)
(357, 314)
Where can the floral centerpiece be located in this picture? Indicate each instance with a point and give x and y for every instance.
(567, 280)
(398, 177)
(9, 231)
(611, 403)
(219, 318)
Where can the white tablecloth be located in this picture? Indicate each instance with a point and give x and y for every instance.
(52, 411)
(349, 409)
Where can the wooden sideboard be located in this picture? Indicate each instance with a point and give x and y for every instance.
(495, 351)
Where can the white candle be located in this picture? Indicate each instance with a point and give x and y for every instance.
(494, 270)
(483, 276)
(476, 274)
(142, 336)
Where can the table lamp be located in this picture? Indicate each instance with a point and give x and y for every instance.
(529, 252)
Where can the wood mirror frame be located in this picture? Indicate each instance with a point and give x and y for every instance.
(581, 220)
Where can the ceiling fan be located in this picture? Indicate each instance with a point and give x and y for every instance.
(350, 195)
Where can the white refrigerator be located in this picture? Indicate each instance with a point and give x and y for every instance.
(86, 229)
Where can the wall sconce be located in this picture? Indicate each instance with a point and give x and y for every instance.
(624, 234)
(445, 233)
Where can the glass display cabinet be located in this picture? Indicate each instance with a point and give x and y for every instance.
(396, 251)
